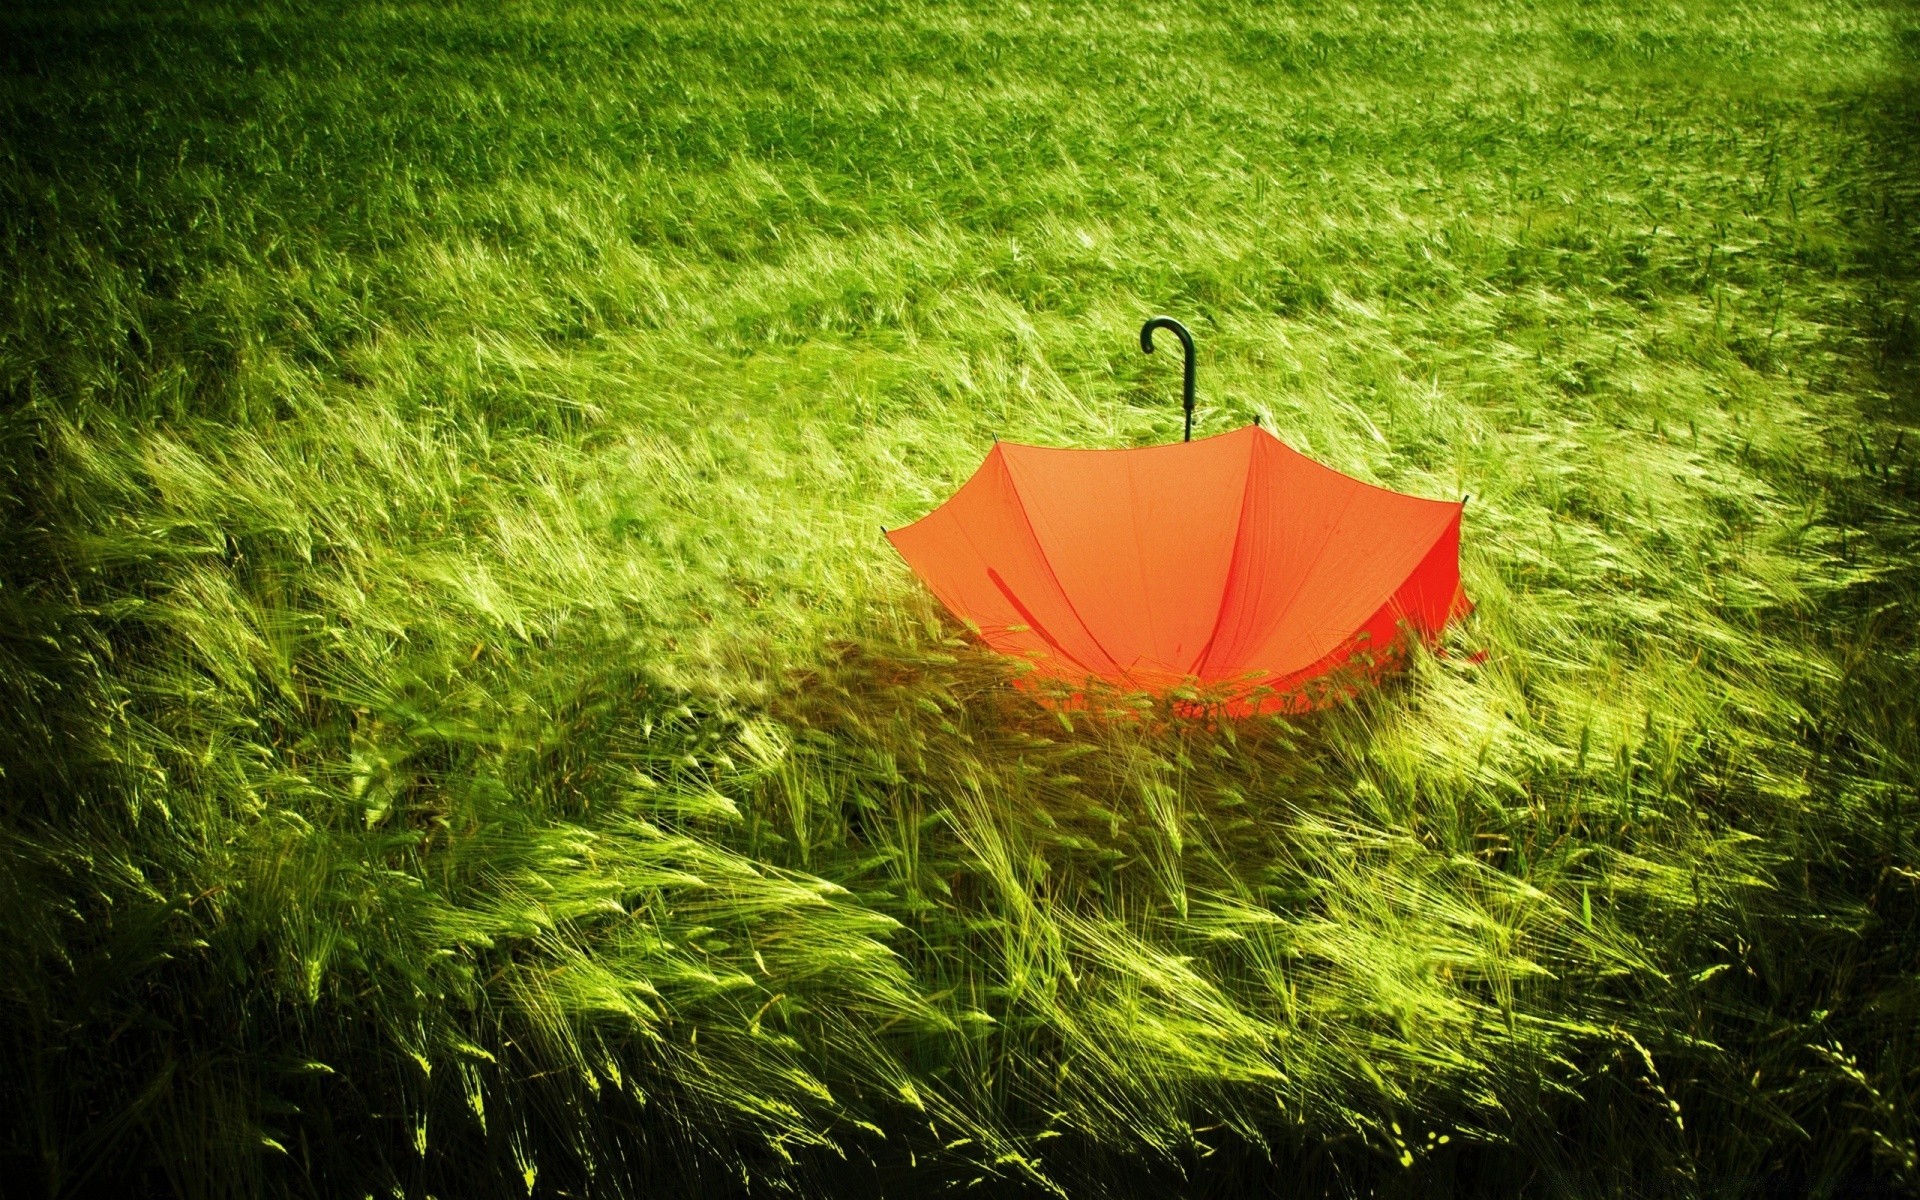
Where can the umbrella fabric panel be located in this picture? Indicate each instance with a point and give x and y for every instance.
(1318, 554)
(1141, 539)
(1431, 597)
(979, 555)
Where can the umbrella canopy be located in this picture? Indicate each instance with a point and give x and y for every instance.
(1233, 562)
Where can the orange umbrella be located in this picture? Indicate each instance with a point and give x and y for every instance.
(1233, 563)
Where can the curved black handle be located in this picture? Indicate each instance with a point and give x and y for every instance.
(1186, 343)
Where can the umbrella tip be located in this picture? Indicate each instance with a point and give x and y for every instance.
(1465, 498)
(883, 531)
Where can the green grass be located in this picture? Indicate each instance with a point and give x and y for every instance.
(462, 733)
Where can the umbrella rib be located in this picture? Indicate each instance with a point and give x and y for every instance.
(1033, 622)
(994, 577)
(1200, 663)
(1021, 502)
(1140, 564)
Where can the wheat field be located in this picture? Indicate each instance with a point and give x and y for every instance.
(463, 734)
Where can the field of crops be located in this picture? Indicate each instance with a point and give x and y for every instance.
(463, 734)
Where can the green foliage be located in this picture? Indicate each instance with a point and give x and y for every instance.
(464, 735)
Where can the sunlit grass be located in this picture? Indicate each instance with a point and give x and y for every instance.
(466, 734)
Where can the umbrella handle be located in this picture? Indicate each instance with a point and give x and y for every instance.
(1186, 343)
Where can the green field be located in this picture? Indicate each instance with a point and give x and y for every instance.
(462, 733)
